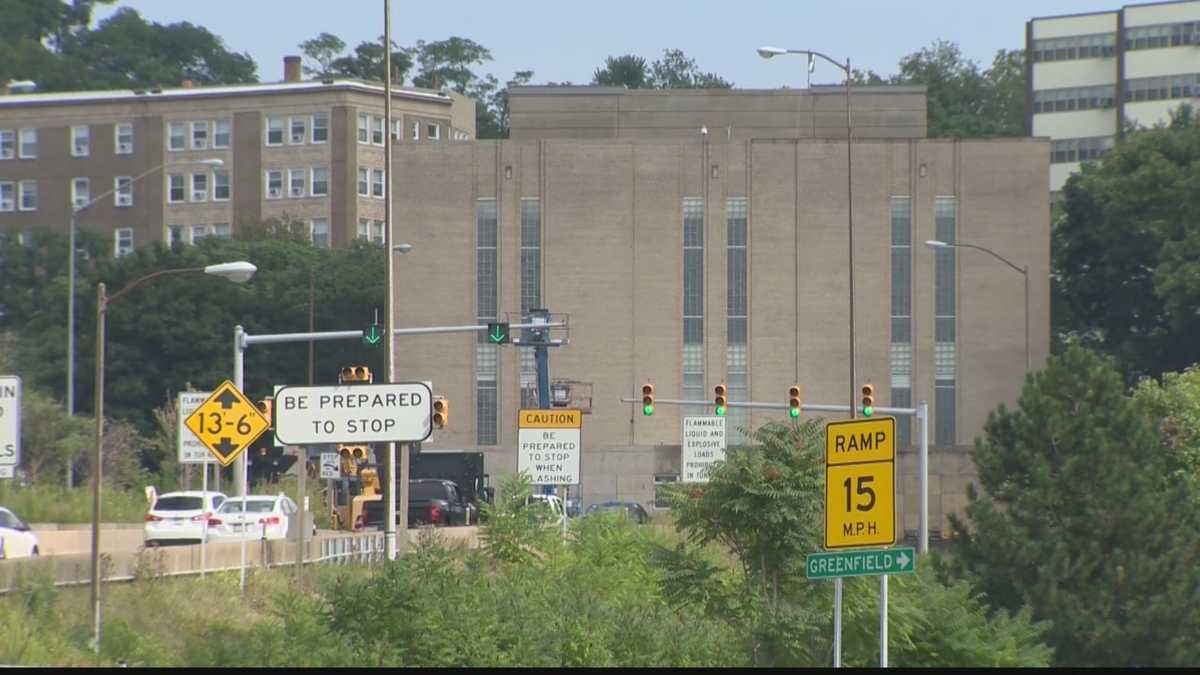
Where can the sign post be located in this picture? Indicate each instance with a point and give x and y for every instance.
(10, 425)
(703, 446)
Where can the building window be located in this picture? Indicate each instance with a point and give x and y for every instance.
(1100, 45)
(274, 131)
(1074, 98)
(296, 182)
(29, 143)
(123, 137)
(81, 189)
(200, 135)
(222, 231)
(1162, 35)
(377, 183)
(397, 130)
(122, 241)
(662, 480)
(364, 181)
(199, 233)
(8, 196)
(175, 188)
(80, 141)
(433, 132)
(364, 133)
(1161, 88)
(364, 228)
(123, 191)
(377, 227)
(274, 184)
(1066, 150)
(901, 344)
(737, 311)
(944, 311)
(222, 131)
(298, 130)
(176, 136)
(693, 301)
(486, 355)
(174, 235)
(200, 187)
(531, 291)
(320, 232)
(416, 131)
(8, 144)
(377, 130)
(220, 185)
(320, 127)
(320, 181)
(27, 195)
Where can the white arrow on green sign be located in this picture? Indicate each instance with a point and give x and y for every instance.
(860, 563)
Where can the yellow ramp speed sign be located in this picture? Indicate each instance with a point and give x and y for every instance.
(860, 483)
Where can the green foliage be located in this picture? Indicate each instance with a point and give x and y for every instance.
(1083, 518)
(628, 71)
(673, 71)
(323, 50)
(1175, 406)
(55, 503)
(513, 532)
(962, 101)
(1125, 251)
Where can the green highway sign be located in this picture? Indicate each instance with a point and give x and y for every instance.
(372, 335)
(498, 333)
(860, 563)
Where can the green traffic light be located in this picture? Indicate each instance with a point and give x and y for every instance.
(647, 410)
(720, 411)
(868, 411)
(794, 412)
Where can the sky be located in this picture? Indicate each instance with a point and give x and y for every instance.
(566, 40)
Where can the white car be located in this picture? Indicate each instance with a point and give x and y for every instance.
(16, 539)
(553, 503)
(180, 517)
(264, 517)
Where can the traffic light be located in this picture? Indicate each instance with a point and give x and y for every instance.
(647, 399)
(266, 406)
(868, 400)
(722, 400)
(352, 457)
(355, 374)
(441, 411)
(794, 400)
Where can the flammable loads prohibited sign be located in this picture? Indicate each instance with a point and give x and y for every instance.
(226, 423)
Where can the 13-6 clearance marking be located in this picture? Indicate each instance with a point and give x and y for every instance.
(860, 483)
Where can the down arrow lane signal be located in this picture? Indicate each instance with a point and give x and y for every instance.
(371, 336)
(498, 333)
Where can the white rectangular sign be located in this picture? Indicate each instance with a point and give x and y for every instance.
(354, 413)
(330, 467)
(551, 456)
(10, 421)
(191, 450)
(6, 471)
(703, 445)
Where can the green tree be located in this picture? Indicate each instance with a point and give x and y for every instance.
(962, 101)
(676, 71)
(628, 71)
(449, 63)
(1174, 404)
(366, 63)
(322, 50)
(1083, 518)
(1125, 251)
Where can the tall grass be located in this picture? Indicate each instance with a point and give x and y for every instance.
(58, 504)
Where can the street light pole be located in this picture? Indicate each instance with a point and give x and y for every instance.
(236, 272)
(935, 244)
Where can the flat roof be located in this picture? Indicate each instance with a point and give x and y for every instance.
(183, 93)
(1122, 8)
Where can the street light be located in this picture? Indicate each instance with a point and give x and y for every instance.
(935, 244)
(769, 52)
(236, 272)
(75, 211)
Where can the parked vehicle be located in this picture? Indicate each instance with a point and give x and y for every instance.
(180, 517)
(464, 468)
(351, 498)
(632, 510)
(552, 503)
(263, 517)
(16, 539)
(431, 501)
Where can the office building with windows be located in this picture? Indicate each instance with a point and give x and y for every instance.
(688, 259)
(1089, 76)
(306, 152)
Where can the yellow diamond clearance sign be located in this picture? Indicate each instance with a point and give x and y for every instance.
(226, 423)
(860, 483)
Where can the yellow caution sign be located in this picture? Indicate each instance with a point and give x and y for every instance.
(860, 483)
(554, 418)
(226, 423)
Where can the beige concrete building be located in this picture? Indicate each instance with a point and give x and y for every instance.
(686, 262)
(1090, 74)
(306, 152)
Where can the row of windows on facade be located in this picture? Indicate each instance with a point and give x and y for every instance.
(737, 311)
(1102, 96)
(1103, 45)
(23, 195)
(23, 143)
(1067, 150)
(370, 130)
